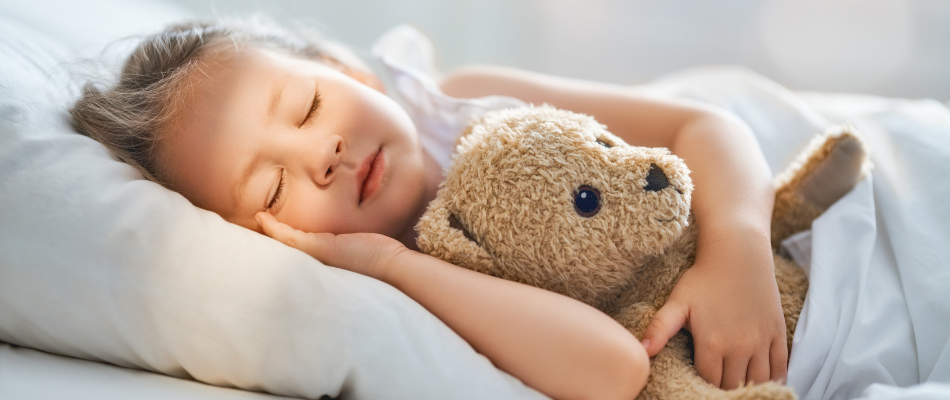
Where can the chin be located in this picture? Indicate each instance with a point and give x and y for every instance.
(407, 205)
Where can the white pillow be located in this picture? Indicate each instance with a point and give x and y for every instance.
(27, 374)
(97, 263)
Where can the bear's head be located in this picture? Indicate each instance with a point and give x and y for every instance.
(549, 198)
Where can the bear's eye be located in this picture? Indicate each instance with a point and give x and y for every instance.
(604, 143)
(587, 201)
(456, 224)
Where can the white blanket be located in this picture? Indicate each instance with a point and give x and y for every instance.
(876, 320)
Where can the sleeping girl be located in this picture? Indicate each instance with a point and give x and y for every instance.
(294, 137)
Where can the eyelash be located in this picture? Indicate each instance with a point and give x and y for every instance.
(280, 184)
(280, 189)
(313, 108)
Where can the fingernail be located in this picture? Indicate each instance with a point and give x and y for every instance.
(257, 218)
(645, 343)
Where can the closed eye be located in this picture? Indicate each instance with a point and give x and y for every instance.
(313, 108)
(278, 192)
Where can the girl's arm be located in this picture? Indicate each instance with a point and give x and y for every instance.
(729, 299)
(555, 344)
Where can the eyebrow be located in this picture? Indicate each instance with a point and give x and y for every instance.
(238, 189)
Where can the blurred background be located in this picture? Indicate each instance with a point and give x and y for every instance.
(898, 48)
(895, 48)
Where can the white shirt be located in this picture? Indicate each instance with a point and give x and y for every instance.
(408, 70)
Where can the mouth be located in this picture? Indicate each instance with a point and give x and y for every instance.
(370, 175)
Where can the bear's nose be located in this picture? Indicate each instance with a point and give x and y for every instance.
(656, 179)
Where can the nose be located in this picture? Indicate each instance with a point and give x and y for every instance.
(656, 179)
(327, 159)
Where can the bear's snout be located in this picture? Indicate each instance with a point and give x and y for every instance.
(656, 179)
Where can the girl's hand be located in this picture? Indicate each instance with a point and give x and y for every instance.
(729, 301)
(369, 254)
(515, 325)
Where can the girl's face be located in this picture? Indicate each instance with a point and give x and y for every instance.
(321, 151)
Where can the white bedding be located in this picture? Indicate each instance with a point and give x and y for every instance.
(27, 374)
(878, 308)
(98, 264)
(896, 330)
(876, 323)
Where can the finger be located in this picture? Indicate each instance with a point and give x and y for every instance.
(667, 321)
(759, 369)
(709, 365)
(276, 229)
(734, 372)
(778, 359)
(308, 243)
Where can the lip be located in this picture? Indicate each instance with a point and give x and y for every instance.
(370, 175)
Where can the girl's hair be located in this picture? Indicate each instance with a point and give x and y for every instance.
(130, 117)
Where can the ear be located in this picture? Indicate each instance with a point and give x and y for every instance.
(443, 235)
(829, 167)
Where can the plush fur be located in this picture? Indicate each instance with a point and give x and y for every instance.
(507, 209)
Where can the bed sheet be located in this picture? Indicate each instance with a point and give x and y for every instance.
(876, 321)
(27, 374)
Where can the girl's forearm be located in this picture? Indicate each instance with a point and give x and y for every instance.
(733, 182)
(733, 194)
(729, 299)
(562, 347)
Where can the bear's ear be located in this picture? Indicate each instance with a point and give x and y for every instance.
(443, 235)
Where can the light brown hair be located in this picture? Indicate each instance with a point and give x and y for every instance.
(131, 117)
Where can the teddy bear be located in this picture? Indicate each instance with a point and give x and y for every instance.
(550, 198)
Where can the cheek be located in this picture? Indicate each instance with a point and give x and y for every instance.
(313, 210)
(406, 194)
(384, 114)
(199, 169)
